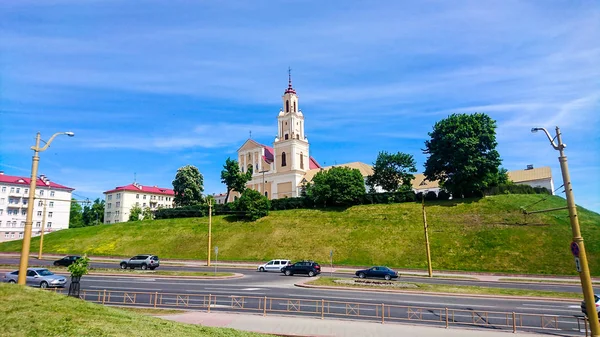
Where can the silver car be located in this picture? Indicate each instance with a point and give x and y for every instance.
(145, 261)
(37, 277)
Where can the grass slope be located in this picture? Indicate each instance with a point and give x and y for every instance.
(33, 312)
(488, 234)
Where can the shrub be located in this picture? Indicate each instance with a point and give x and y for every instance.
(253, 205)
(195, 211)
(516, 189)
(443, 195)
(430, 196)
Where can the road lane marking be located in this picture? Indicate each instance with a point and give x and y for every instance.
(224, 292)
(549, 306)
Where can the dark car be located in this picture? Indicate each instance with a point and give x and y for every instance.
(67, 260)
(378, 272)
(584, 309)
(145, 261)
(310, 268)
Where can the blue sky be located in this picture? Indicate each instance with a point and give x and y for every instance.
(150, 87)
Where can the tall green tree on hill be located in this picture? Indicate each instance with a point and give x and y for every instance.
(462, 154)
(93, 214)
(393, 171)
(233, 178)
(188, 186)
(338, 186)
(253, 204)
(75, 214)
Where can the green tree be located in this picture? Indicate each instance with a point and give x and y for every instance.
(188, 186)
(93, 214)
(233, 178)
(393, 171)
(253, 204)
(147, 214)
(75, 215)
(462, 154)
(338, 186)
(135, 213)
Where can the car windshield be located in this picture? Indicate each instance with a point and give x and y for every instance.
(45, 272)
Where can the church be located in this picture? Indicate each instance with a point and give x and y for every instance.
(281, 170)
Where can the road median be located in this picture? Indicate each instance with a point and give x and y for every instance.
(155, 274)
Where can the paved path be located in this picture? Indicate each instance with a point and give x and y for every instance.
(298, 326)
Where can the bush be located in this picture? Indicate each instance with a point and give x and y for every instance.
(289, 203)
(195, 211)
(443, 195)
(516, 189)
(430, 196)
(253, 205)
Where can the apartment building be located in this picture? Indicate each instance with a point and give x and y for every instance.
(119, 201)
(14, 197)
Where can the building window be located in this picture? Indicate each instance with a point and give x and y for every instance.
(6, 234)
(294, 106)
(109, 197)
(24, 202)
(14, 224)
(118, 204)
(49, 214)
(38, 224)
(287, 106)
(301, 161)
(51, 204)
(283, 161)
(0, 223)
(2, 201)
(266, 194)
(108, 214)
(41, 192)
(1, 211)
(286, 136)
(26, 191)
(24, 212)
(49, 225)
(39, 213)
(109, 205)
(118, 196)
(18, 190)
(137, 203)
(51, 193)
(144, 204)
(40, 203)
(12, 190)
(137, 196)
(3, 189)
(22, 223)
(144, 197)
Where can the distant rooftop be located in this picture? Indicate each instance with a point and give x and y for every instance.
(135, 187)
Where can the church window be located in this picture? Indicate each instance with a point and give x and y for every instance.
(249, 167)
(297, 136)
(283, 163)
(287, 106)
(286, 136)
(301, 161)
(294, 106)
(267, 194)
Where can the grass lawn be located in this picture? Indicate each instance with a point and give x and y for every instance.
(424, 288)
(489, 234)
(28, 311)
(543, 281)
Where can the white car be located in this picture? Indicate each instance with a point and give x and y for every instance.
(274, 265)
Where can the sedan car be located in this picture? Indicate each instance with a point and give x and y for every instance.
(274, 265)
(378, 272)
(67, 260)
(37, 277)
(310, 268)
(584, 309)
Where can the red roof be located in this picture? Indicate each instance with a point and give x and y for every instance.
(313, 163)
(25, 181)
(268, 157)
(141, 188)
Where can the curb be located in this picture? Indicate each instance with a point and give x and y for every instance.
(234, 276)
(509, 297)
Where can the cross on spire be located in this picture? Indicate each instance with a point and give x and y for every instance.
(290, 89)
(250, 134)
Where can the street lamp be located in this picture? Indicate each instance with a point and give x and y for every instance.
(429, 270)
(263, 185)
(27, 235)
(577, 246)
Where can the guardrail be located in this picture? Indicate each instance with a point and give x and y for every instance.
(383, 313)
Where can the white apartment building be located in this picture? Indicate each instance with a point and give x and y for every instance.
(119, 201)
(14, 197)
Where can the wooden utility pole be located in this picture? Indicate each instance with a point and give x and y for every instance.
(209, 231)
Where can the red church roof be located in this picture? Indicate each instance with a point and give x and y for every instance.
(141, 188)
(42, 181)
(313, 163)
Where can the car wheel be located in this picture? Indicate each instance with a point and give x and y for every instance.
(144, 267)
(288, 273)
(311, 273)
(123, 265)
(261, 269)
(12, 281)
(388, 277)
(44, 284)
(56, 264)
(361, 275)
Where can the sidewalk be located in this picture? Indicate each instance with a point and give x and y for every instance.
(299, 326)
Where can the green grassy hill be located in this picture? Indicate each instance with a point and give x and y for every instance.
(488, 234)
(34, 312)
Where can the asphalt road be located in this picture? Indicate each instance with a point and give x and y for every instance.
(575, 288)
(286, 298)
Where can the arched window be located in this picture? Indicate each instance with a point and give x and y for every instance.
(301, 161)
(294, 106)
(267, 194)
(249, 167)
(283, 162)
(287, 106)
(286, 136)
(297, 136)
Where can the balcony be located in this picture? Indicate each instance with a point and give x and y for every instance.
(15, 205)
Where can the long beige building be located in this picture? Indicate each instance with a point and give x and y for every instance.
(118, 202)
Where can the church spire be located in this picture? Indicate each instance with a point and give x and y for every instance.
(290, 90)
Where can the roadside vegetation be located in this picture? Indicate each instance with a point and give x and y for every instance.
(490, 234)
(440, 288)
(66, 316)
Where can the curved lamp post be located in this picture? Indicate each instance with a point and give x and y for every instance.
(27, 235)
(580, 255)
